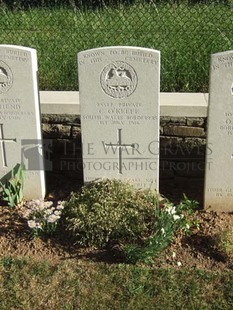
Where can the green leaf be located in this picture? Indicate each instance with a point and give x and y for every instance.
(12, 190)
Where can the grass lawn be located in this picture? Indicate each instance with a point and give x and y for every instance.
(29, 284)
(185, 34)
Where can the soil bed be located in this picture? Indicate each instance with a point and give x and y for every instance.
(196, 251)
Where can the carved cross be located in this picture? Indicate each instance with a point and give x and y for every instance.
(120, 146)
(2, 145)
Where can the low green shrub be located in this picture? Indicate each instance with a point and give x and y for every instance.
(109, 212)
(112, 212)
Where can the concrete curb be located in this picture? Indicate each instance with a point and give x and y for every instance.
(171, 104)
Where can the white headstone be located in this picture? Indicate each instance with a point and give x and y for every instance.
(20, 126)
(219, 152)
(119, 96)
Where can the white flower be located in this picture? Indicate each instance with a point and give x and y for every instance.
(179, 264)
(41, 207)
(171, 210)
(38, 201)
(173, 254)
(187, 226)
(60, 205)
(163, 231)
(176, 217)
(32, 224)
(57, 212)
(48, 212)
(53, 218)
(38, 225)
(48, 204)
(27, 213)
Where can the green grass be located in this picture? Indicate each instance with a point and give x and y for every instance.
(185, 34)
(27, 284)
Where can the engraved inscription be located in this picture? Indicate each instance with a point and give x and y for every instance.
(119, 113)
(221, 192)
(118, 79)
(13, 109)
(223, 62)
(6, 77)
(146, 58)
(228, 123)
(14, 55)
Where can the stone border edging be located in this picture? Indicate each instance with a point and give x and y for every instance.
(171, 104)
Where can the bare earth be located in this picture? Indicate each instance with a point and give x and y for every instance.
(197, 251)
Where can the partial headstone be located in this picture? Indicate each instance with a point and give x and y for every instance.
(119, 97)
(219, 152)
(20, 126)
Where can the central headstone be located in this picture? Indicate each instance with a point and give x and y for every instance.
(119, 96)
(219, 152)
(20, 126)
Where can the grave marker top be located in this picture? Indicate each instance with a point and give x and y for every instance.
(119, 96)
(20, 116)
(219, 164)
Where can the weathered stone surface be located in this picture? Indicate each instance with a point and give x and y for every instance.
(184, 131)
(195, 122)
(195, 142)
(198, 145)
(119, 97)
(75, 132)
(56, 131)
(165, 120)
(219, 151)
(60, 119)
(20, 125)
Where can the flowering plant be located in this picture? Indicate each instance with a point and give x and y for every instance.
(42, 216)
(168, 221)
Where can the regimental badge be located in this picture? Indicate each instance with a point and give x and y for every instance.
(118, 79)
(6, 77)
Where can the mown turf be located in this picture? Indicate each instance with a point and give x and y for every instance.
(27, 284)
